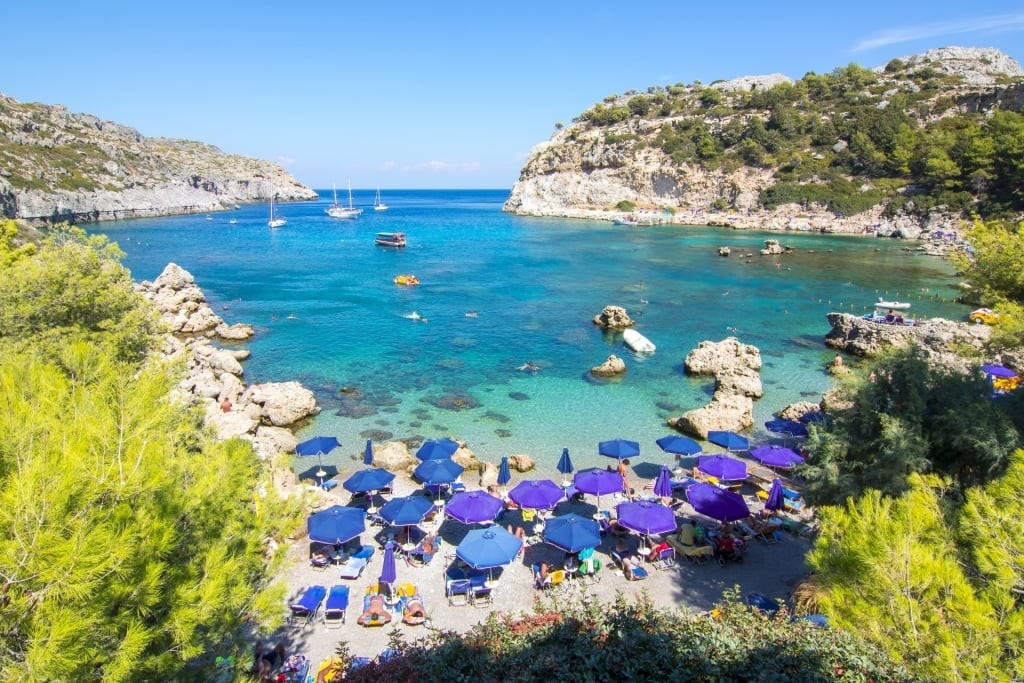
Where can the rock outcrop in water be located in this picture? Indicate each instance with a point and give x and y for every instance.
(59, 166)
(735, 367)
(708, 155)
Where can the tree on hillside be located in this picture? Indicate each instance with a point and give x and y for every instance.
(992, 268)
(915, 416)
(889, 568)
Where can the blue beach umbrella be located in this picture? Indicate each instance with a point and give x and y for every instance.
(438, 471)
(776, 456)
(619, 448)
(646, 517)
(730, 441)
(572, 533)
(407, 510)
(372, 479)
(368, 453)
(318, 446)
(663, 484)
(679, 445)
(776, 499)
(437, 450)
(717, 503)
(388, 571)
(722, 467)
(564, 463)
(504, 473)
(473, 507)
(998, 371)
(336, 524)
(790, 427)
(538, 494)
(488, 548)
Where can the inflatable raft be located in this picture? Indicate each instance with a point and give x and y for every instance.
(637, 342)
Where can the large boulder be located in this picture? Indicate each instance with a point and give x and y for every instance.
(794, 411)
(284, 403)
(725, 412)
(268, 441)
(393, 456)
(742, 381)
(612, 367)
(229, 424)
(613, 317)
(521, 462)
(856, 335)
(488, 475)
(466, 457)
(713, 358)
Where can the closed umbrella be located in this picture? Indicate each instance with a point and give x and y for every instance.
(336, 524)
(619, 448)
(538, 494)
(717, 503)
(368, 453)
(488, 548)
(663, 484)
(598, 482)
(437, 450)
(407, 510)
(730, 441)
(679, 445)
(565, 465)
(722, 466)
(504, 473)
(473, 507)
(572, 533)
(388, 571)
(776, 499)
(646, 517)
(776, 456)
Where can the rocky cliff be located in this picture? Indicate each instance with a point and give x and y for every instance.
(57, 166)
(700, 154)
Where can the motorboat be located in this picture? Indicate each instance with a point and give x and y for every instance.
(390, 239)
(407, 280)
(637, 342)
(895, 305)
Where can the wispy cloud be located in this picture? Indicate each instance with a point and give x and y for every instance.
(286, 161)
(1000, 23)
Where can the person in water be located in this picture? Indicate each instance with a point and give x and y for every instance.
(529, 365)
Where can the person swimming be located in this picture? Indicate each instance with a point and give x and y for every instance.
(471, 314)
(413, 316)
(529, 365)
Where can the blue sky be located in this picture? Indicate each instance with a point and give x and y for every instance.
(434, 95)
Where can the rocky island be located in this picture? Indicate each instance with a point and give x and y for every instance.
(853, 151)
(59, 166)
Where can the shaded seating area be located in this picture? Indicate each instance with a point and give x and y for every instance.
(305, 609)
(336, 606)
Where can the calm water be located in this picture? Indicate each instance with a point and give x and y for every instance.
(327, 313)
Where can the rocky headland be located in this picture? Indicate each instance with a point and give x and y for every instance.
(59, 166)
(711, 155)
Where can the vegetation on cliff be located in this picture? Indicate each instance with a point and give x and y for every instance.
(912, 136)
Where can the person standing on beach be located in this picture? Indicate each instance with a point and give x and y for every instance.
(623, 470)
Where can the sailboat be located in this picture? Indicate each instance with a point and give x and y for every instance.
(336, 210)
(378, 205)
(275, 221)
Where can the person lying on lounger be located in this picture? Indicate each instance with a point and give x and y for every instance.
(413, 612)
(375, 614)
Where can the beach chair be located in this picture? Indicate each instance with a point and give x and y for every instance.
(635, 571)
(458, 591)
(663, 556)
(685, 544)
(480, 594)
(336, 606)
(353, 567)
(305, 609)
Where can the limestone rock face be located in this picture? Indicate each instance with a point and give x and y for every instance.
(613, 317)
(230, 424)
(488, 475)
(735, 367)
(742, 381)
(612, 367)
(284, 403)
(853, 334)
(467, 458)
(393, 456)
(794, 411)
(269, 441)
(728, 412)
(713, 358)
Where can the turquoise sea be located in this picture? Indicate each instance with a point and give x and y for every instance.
(328, 314)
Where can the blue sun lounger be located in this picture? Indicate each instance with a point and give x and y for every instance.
(353, 567)
(335, 607)
(307, 607)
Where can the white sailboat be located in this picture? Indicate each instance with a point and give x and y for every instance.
(336, 210)
(275, 221)
(378, 205)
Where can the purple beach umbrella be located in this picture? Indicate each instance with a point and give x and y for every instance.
(776, 456)
(663, 484)
(722, 466)
(998, 371)
(646, 517)
(538, 494)
(473, 507)
(388, 572)
(776, 500)
(598, 482)
(716, 503)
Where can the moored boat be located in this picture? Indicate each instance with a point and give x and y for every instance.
(895, 305)
(390, 239)
(637, 342)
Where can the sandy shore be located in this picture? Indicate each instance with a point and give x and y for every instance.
(772, 569)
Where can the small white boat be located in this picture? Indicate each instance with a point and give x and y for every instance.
(378, 205)
(895, 305)
(390, 239)
(637, 342)
(275, 220)
(336, 210)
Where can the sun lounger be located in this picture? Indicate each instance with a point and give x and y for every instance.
(335, 607)
(305, 609)
(375, 612)
(635, 573)
(353, 567)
